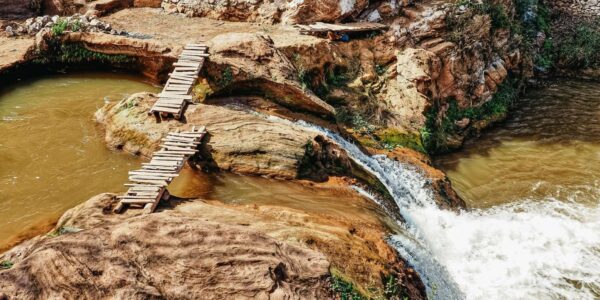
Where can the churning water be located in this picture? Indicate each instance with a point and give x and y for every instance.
(530, 249)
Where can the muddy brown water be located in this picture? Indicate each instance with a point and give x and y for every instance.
(548, 148)
(52, 154)
(53, 157)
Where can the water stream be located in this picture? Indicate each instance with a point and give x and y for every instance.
(514, 244)
(533, 232)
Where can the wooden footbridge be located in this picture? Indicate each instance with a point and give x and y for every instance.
(176, 94)
(148, 185)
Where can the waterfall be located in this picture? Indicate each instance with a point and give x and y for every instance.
(536, 249)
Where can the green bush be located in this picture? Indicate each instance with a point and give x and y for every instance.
(439, 127)
(345, 289)
(581, 49)
(59, 27)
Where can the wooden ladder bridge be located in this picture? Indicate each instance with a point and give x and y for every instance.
(176, 94)
(148, 185)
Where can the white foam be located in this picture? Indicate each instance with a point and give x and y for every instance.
(346, 6)
(545, 249)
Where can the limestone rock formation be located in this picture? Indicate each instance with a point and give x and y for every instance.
(196, 258)
(289, 12)
(250, 63)
(240, 141)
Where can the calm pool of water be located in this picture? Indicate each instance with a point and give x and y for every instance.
(52, 155)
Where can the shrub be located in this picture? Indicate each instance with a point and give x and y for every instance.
(439, 127)
(582, 48)
(59, 27)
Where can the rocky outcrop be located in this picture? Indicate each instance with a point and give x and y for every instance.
(197, 258)
(18, 9)
(240, 141)
(15, 52)
(75, 23)
(250, 64)
(206, 249)
(582, 8)
(294, 12)
(94, 7)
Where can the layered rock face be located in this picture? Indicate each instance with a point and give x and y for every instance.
(278, 11)
(18, 9)
(165, 255)
(581, 8)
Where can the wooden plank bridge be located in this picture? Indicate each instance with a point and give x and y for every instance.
(176, 94)
(148, 185)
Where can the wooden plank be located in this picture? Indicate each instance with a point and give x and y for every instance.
(179, 144)
(188, 69)
(155, 182)
(136, 185)
(138, 201)
(167, 90)
(177, 88)
(143, 190)
(185, 61)
(152, 174)
(193, 53)
(166, 109)
(192, 58)
(156, 154)
(170, 105)
(179, 101)
(180, 139)
(172, 81)
(189, 153)
(178, 148)
(162, 163)
(177, 96)
(187, 64)
(188, 74)
(179, 85)
(183, 77)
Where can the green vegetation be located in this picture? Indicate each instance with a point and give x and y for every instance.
(62, 25)
(582, 48)
(59, 27)
(226, 77)
(63, 230)
(391, 138)
(201, 90)
(344, 288)
(460, 24)
(441, 126)
(77, 54)
(6, 264)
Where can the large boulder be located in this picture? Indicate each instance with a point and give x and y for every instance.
(239, 141)
(251, 64)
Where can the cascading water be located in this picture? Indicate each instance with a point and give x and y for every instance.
(544, 249)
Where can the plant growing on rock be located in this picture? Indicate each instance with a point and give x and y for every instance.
(59, 27)
(6, 264)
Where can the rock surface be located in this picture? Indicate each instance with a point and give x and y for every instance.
(240, 141)
(18, 9)
(206, 248)
(197, 258)
(294, 12)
